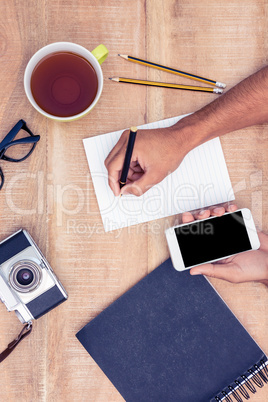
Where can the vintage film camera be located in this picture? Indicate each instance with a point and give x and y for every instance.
(28, 284)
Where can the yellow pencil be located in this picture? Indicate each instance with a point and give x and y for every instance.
(173, 71)
(166, 85)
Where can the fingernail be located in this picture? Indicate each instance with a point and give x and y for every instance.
(232, 207)
(195, 273)
(217, 210)
(202, 212)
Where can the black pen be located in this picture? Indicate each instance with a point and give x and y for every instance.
(130, 146)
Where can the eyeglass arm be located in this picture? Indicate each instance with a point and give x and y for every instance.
(12, 133)
(27, 140)
(1, 178)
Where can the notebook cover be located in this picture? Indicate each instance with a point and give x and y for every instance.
(170, 338)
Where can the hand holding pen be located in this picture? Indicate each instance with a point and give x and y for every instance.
(156, 153)
(159, 152)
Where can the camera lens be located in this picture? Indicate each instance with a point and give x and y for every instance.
(25, 276)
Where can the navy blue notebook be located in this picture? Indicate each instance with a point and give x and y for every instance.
(172, 338)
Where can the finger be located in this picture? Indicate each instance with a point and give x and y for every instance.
(224, 260)
(218, 211)
(133, 170)
(203, 214)
(121, 143)
(134, 177)
(231, 208)
(187, 217)
(263, 241)
(140, 186)
(113, 182)
(137, 168)
(114, 168)
(229, 272)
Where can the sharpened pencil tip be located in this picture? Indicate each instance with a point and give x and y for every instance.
(125, 56)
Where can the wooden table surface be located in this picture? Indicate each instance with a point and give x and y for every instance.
(51, 193)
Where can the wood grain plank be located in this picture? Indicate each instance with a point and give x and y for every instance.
(229, 48)
(51, 193)
(19, 199)
(87, 259)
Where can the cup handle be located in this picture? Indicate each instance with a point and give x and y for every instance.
(100, 52)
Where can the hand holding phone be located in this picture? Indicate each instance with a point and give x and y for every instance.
(243, 267)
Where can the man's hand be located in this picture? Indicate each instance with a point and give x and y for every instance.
(244, 267)
(156, 153)
(159, 152)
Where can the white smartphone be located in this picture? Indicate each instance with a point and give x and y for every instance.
(212, 239)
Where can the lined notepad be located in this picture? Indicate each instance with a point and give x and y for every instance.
(201, 180)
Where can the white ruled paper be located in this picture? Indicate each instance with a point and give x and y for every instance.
(201, 180)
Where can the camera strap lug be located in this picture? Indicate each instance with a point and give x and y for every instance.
(26, 330)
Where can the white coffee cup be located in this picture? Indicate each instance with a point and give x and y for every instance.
(95, 58)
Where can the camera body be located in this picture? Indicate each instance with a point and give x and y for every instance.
(28, 284)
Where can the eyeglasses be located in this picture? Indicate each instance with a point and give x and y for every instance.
(22, 146)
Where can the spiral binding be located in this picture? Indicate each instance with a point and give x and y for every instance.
(258, 377)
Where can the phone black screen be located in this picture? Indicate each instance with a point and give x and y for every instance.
(212, 239)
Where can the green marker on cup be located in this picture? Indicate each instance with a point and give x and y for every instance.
(63, 81)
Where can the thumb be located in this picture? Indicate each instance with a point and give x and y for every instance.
(229, 272)
(141, 185)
